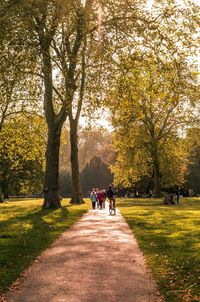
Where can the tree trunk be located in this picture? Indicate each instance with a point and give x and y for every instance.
(156, 168)
(76, 188)
(1, 197)
(5, 185)
(156, 171)
(157, 187)
(51, 189)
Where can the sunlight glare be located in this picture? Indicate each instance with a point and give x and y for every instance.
(83, 2)
(100, 20)
(150, 4)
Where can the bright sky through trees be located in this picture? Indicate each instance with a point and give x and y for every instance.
(150, 3)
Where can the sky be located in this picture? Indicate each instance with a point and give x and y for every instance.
(99, 122)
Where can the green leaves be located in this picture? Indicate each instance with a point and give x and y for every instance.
(150, 107)
(22, 150)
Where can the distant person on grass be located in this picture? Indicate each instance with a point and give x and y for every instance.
(177, 192)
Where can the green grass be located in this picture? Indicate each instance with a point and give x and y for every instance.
(169, 236)
(26, 230)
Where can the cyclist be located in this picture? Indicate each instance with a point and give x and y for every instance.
(111, 195)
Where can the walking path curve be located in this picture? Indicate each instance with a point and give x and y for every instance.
(96, 260)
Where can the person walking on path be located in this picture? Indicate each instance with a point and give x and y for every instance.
(97, 191)
(104, 199)
(93, 198)
(100, 197)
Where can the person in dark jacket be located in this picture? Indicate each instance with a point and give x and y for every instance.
(177, 192)
(111, 194)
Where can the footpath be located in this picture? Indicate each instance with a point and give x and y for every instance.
(96, 260)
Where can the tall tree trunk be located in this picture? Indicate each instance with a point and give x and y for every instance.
(157, 187)
(156, 170)
(1, 197)
(5, 184)
(55, 123)
(76, 188)
(51, 190)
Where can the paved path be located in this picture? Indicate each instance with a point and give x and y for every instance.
(97, 260)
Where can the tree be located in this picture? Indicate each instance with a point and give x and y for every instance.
(95, 142)
(193, 172)
(166, 38)
(47, 26)
(22, 150)
(65, 181)
(153, 99)
(92, 143)
(16, 94)
(96, 174)
(65, 37)
(60, 30)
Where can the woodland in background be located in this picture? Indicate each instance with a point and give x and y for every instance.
(96, 155)
(24, 164)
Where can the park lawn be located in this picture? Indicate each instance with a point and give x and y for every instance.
(169, 236)
(26, 230)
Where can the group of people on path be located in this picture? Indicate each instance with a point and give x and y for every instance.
(98, 197)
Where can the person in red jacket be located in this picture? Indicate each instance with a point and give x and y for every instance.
(104, 200)
(100, 197)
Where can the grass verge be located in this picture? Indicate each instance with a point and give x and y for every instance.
(169, 236)
(26, 230)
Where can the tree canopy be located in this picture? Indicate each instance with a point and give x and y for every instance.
(74, 57)
(152, 103)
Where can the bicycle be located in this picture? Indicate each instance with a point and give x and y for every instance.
(112, 208)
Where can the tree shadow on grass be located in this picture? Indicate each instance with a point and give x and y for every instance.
(139, 202)
(173, 255)
(24, 237)
(186, 203)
